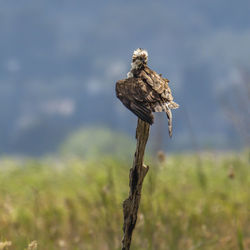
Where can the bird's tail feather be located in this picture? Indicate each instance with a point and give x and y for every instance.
(173, 105)
(170, 127)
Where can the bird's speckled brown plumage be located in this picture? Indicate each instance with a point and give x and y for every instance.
(145, 91)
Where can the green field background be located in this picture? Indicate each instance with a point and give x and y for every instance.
(188, 202)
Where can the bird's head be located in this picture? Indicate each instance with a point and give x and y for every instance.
(140, 56)
(139, 59)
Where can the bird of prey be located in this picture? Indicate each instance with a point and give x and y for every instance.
(144, 91)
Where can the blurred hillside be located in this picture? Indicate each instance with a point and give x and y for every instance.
(60, 61)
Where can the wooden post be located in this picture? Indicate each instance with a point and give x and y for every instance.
(136, 177)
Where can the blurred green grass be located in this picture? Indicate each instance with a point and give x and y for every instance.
(77, 204)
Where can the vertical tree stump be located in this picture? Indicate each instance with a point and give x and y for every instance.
(136, 177)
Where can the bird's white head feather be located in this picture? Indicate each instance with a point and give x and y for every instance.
(139, 58)
(140, 54)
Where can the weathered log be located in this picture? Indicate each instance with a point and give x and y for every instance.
(136, 177)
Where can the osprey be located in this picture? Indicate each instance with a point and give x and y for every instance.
(144, 91)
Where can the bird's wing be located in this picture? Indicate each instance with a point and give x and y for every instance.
(160, 86)
(157, 82)
(138, 97)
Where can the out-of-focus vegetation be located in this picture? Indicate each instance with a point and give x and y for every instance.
(93, 141)
(77, 204)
